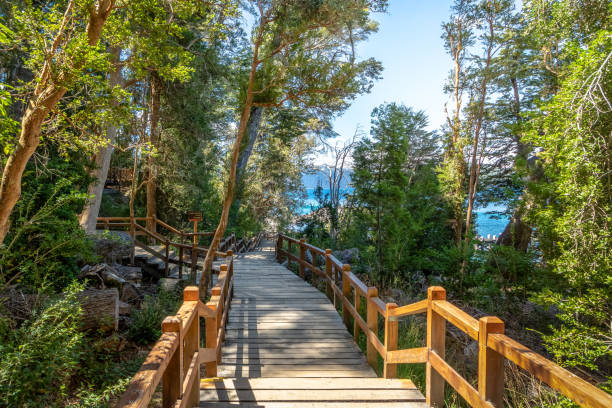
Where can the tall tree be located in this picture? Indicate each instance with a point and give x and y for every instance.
(458, 37)
(389, 168)
(308, 47)
(64, 51)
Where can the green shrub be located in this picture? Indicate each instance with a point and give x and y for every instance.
(38, 359)
(146, 321)
(46, 244)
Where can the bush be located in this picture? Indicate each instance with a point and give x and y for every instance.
(46, 244)
(42, 355)
(146, 321)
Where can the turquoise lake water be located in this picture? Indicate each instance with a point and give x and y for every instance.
(486, 224)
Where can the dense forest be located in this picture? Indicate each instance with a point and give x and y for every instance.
(153, 108)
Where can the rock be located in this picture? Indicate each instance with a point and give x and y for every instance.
(90, 272)
(111, 278)
(470, 351)
(308, 256)
(112, 246)
(168, 284)
(124, 308)
(348, 256)
(321, 259)
(398, 295)
(130, 294)
(102, 274)
(129, 273)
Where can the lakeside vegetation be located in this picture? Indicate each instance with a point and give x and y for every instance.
(155, 108)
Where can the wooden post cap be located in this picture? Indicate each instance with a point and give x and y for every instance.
(230, 253)
(346, 268)
(372, 291)
(389, 306)
(191, 293)
(491, 324)
(302, 240)
(171, 324)
(328, 251)
(216, 291)
(223, 267)
(436, 293)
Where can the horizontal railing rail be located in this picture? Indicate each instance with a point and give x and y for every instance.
(176, 358)
(346, 289)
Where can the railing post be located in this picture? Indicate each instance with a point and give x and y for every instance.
(153, 228)
(289, 253)
(167, 257)
(194, 259)
(302, 258)
(391, 329)
(192, 346)
(357, 303)
(211, 338)
(173, 376)
(328, 272)
(181, 254)
(346, 293)
(490, 363)
(133, 236)
(279, 244)
(372, 320)
(230, 276)
(436, 334)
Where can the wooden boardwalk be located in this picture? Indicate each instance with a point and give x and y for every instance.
(278, 342)
(286, 346)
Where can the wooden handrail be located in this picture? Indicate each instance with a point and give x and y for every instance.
(196, 251)
(176, 358)
(494, 345)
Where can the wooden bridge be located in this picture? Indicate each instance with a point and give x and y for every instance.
(273, 340)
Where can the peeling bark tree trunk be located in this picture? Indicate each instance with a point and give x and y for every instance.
(101, 160)
(44, 99)
(243, 159)
(517, 233)
(231, 182)
(154, 139)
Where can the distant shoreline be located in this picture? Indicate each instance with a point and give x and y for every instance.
(486, 224)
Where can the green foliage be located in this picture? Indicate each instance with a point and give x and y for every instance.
(46, 244)
(103, 373)
(146, 321)
(573, 205)
(42, 354)
(397, 200)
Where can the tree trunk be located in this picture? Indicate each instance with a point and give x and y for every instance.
(243, 159)
(101, 160)
(154, 140)
(517, 233)
(44, 99)
(231, 182)
(475, 166)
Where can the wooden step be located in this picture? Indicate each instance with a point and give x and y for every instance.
(310, 392)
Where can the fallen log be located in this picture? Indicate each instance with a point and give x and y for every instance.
(100, 309)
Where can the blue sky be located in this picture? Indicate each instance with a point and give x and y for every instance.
(415, 64)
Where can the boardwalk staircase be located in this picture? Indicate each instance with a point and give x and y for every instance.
(166, 250)
(273, 340)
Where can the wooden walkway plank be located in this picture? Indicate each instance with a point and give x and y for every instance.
(286, 346)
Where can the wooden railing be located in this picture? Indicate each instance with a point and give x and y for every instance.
(184, 242)
(343, 287)
(176, 358)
